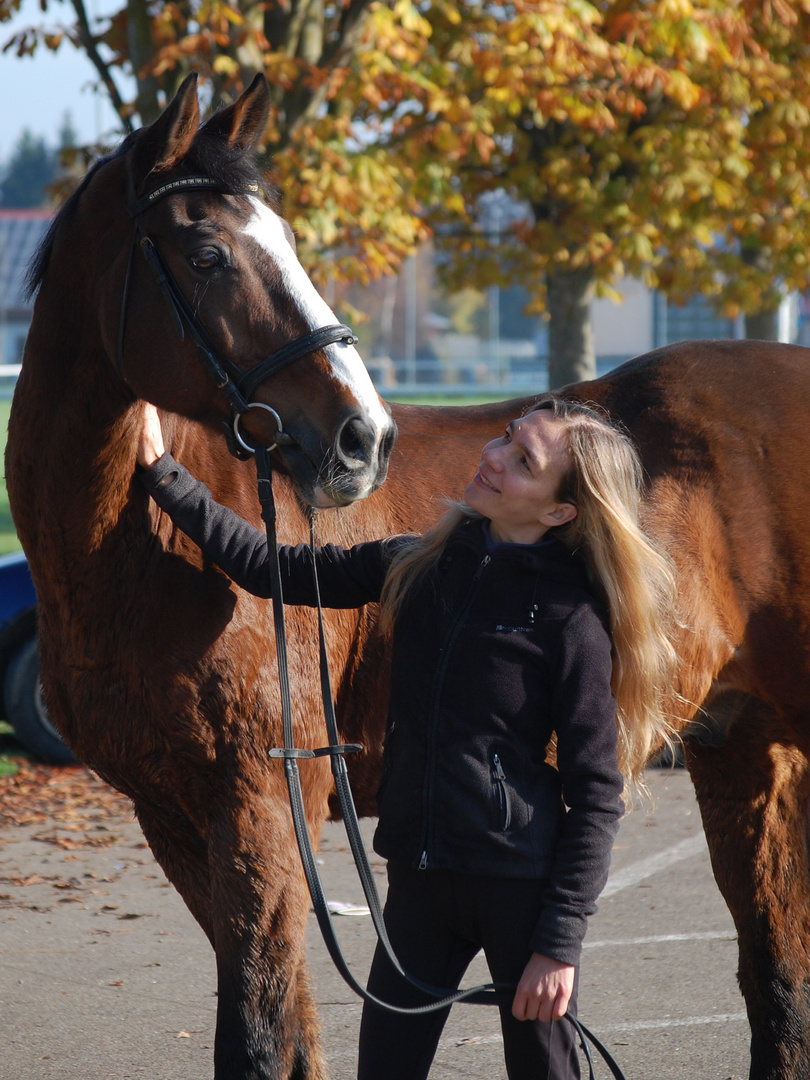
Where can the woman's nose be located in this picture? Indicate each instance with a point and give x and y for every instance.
(491, 456)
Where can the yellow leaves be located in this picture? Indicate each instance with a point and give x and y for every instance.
(455, 110)
(725, 194)
(484, 144)
(693, 39)
(282, 69)
(682, 90)
(791, 114)
(226, 65)
(411, 19)
(674, 9)
(642, 248)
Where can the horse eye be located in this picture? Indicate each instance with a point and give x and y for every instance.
(207, 259)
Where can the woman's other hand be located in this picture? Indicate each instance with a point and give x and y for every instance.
(544, 989)
(150, 440)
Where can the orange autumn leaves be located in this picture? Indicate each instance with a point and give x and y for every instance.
(645, 138)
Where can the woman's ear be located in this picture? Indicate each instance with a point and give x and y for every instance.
(561, 515)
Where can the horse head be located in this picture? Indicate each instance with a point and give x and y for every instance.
(206, 310)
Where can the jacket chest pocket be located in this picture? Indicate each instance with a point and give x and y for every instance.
(503, 801)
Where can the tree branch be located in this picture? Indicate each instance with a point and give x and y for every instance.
(88, 43)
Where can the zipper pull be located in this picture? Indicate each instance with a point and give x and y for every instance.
(423, 861)
(482, 566)
(499, 773)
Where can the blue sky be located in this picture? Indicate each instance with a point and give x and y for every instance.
(37, 92)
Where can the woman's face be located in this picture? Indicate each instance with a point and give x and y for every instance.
(518, 479)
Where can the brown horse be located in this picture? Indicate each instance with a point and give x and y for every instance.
(160, 673)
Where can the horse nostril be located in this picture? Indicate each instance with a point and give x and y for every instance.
(354, 443)
(388, 442)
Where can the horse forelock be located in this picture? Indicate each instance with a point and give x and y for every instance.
(232, 168)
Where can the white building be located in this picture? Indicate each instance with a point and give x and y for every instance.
(20, 234)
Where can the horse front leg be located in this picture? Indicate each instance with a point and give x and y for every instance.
(183, 856)
(267, 1024)
(754, 794)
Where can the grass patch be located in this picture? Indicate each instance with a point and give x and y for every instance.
(8, 534)
(445, 399)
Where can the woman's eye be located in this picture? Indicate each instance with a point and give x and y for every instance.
(207, 259)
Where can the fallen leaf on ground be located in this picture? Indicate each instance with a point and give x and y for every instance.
(65, 793)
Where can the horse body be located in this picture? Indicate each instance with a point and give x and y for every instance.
(160, 674)
(722, 427)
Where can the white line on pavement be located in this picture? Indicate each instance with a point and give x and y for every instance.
(688, 1021)
(644, 868)
(698, 935)
(637, 1025)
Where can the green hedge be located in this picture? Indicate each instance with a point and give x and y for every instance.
(8, 535)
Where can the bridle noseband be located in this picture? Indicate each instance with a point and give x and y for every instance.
(237, 385)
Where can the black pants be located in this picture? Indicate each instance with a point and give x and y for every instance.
(437, 922)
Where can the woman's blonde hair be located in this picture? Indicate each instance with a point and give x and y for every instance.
(634, 580)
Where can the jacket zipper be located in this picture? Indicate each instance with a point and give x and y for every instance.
(433, 731)
(504, 803)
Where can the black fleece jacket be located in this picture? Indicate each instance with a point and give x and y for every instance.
(493, 653)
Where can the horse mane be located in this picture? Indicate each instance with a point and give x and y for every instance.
(209, 156)
(41, 257)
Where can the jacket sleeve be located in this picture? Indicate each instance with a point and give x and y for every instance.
(348, 577)
(585, 722)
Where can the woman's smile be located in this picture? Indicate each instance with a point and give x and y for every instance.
(482, 481)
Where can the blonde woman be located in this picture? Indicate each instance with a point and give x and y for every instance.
(533, 610)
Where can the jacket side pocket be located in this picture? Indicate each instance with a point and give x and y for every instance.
(501, 793)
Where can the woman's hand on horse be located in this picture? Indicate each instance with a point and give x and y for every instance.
(544, 989)
(150, 440)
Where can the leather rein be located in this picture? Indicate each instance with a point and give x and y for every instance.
(237, 385)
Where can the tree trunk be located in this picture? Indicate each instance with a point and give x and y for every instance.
(763, 326)
(141, 51)
(571, 354)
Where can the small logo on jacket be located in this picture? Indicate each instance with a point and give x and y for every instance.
(514, 629)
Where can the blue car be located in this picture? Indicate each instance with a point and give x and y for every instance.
(24, 706)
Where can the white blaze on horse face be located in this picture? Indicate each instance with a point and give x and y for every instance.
(266, 228)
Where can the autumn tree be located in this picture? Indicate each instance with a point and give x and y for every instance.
(764, 251)
(346, 196)
(657, 138)
(660, 140)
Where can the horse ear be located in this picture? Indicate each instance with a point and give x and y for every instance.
(169, 139)
(242, 124)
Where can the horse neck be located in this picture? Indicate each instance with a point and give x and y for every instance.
(75, 428)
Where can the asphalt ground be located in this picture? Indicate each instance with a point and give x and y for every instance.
(104, 974)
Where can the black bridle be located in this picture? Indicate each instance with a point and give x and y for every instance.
(237, 385)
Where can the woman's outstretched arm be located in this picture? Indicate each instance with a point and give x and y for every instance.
(349, 577)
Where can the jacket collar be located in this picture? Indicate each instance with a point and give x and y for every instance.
(550, 556)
